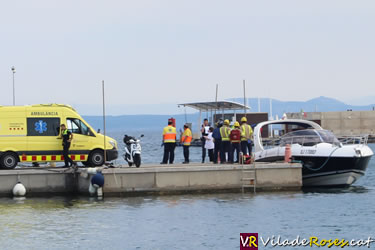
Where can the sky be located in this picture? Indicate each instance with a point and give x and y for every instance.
(165, 52)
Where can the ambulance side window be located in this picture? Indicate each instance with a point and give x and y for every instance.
(72, 126)
(76, 126)
(41, 126)
(85, 130)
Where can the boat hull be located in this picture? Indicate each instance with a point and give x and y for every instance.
(334, 171)
(329, 172)
(333, 179)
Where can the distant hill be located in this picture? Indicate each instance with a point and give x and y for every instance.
(319, 104)
(157, 122)
(365, 100)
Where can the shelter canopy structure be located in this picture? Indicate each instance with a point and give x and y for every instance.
(214, 107)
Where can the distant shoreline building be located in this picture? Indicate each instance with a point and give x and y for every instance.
(341, 123)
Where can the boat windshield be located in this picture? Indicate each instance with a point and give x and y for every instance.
(328, 137)
(309, 137)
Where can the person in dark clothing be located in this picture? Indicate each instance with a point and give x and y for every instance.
(67, 137)
(217, 140)
(204, 130)
(168, 153)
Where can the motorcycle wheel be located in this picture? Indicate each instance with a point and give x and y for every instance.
(130, 164)
(137, 160)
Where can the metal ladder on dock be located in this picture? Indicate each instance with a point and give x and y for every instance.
(248, 177)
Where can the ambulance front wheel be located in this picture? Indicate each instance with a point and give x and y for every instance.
(96, 158)
(9, 160)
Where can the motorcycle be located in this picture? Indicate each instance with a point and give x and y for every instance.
(133, 150)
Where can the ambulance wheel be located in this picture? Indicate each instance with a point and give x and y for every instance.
(9, 160)
(96, 158)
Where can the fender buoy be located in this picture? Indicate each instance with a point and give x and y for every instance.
(97, 180)
(288, 153)
(19, 189)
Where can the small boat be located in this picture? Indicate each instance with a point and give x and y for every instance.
(326, 161)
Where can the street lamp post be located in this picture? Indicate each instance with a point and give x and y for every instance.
(14, 93)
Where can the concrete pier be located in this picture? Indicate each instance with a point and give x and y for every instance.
(157, 179)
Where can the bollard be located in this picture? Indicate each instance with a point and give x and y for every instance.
(288, 153)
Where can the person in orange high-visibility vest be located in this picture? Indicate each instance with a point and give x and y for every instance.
(169, 141)
(186, 142)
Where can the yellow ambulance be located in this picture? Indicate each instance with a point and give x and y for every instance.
(32, 134)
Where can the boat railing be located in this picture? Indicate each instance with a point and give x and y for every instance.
(303, 140)
(270, 142)
(354, 139)
(311, 140)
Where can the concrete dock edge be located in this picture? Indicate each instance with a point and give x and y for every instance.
(154, 179)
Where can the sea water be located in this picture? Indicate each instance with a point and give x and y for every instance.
(152, 149)
(212, 221)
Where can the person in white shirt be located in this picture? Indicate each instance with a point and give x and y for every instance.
(209, 144)
(204, 131)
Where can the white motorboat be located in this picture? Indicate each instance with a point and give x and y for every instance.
(326, 161)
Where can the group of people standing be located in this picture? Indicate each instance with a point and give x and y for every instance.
(229, 141)
(223, 141)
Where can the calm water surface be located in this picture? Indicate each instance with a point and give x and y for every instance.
(152, 151)
(188, 221)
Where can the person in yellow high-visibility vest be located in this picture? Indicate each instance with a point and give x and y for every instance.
(186, 138)
(67, 138)
(225, 143)
(169, 141)
(246, 136)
